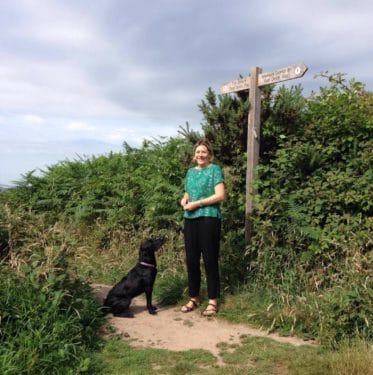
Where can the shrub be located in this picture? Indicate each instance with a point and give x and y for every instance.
(48, 317)
(47, 326)
(312, 222)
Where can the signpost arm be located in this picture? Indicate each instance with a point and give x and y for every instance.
(253, 142)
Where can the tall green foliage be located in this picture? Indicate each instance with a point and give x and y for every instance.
(225, 125)
(316, 189)
(48, 317)
(47, 326)
(138, 186)
(313, 219)
(311, 249)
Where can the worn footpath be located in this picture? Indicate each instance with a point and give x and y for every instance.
(173, 330)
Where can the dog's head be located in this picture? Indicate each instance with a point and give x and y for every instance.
(149, 247)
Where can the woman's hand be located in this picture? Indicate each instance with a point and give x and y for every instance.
(185, 200)
(217, 197)
(191, 206)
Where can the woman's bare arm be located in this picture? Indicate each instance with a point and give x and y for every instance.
(217, 197)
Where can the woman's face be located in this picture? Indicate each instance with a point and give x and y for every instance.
(202, 156)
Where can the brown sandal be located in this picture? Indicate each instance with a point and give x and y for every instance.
(186, 308)
(211, 310)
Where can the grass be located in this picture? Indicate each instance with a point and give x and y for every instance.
(47, 326)
(257, 356)
(120, 358)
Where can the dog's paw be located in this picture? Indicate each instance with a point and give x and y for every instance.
(152, 310)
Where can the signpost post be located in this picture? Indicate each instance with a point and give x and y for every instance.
(253, 84)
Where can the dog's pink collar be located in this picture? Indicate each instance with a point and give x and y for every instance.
(147, 264)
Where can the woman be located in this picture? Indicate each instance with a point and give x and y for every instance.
(204, 190)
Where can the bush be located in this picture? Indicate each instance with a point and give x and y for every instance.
(129, 189)
(312, 222)
(47, 326)
(48, 317)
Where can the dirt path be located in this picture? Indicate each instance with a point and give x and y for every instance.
(171, 329)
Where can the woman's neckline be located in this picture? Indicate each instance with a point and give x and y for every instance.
(201, 169)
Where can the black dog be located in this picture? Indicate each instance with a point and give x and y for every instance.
(139, 280)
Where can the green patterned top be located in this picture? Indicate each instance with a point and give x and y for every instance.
(200, 184)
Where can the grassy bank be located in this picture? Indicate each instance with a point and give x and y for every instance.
(259, 356)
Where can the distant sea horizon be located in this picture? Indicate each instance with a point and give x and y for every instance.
(5, 187)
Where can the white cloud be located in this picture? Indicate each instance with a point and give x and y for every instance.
(83, 76)
(79, 127)
(32, 119)
(54, 23)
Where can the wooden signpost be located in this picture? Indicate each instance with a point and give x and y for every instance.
(253, 84)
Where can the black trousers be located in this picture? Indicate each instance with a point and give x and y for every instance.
(202, 236)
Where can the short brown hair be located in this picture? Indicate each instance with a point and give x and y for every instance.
(205, 142)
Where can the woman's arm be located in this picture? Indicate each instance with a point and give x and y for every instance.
(218, 196)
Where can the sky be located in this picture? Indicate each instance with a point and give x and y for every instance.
(80, 77)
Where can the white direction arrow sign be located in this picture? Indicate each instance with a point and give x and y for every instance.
(279, 75)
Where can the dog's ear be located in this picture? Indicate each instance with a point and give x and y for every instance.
(152, 244)
(158, 243)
